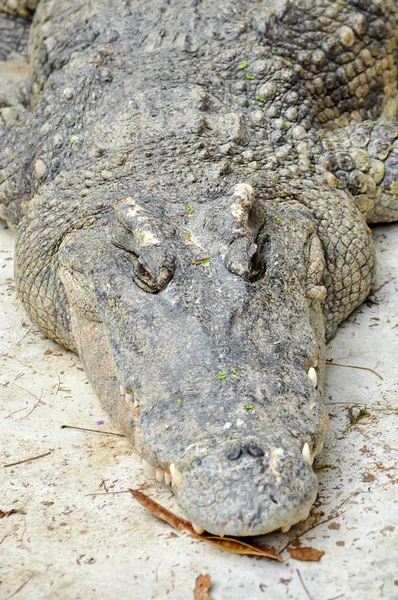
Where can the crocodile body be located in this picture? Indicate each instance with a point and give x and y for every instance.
(190, 183)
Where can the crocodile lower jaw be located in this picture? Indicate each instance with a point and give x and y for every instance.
(172, 478)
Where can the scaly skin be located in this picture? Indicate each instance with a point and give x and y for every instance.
(190, 191)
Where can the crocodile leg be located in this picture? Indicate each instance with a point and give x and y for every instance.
(348, 250)
(36, 270)
(364, 159)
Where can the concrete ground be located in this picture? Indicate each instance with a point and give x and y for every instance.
(66, 543)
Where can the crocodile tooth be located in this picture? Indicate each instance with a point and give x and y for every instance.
(312, 375)
(129, 397)
(167, 478)
(136, 403)
(175, 475)
(159, 474)
(198, 529)
(285, 528)
(122, 391)
(149, 469)
(307, 454)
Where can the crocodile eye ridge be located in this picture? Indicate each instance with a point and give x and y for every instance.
(137, 231)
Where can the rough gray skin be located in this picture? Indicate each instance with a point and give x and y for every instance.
(187, 181)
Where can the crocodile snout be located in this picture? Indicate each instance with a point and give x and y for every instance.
(247, 488)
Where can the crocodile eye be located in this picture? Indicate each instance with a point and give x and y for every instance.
(154, 270)
(144, 279)
(143, 273)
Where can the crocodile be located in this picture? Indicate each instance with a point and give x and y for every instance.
(191, 184)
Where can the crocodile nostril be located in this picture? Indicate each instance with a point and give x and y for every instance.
(235, 453)
(254, 450)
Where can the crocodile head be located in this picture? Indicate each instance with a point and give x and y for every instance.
(207, 342)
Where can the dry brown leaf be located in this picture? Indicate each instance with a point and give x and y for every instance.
(238, 546)
(162, 513)
(13, 511)
(234, 545)
(202, 587)
(306, 553)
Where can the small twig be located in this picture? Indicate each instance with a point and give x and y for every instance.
(372, 292)
(103, 484)
(156, 571)
(17, 359)
(39, 400)
(25, 390)
(107, 493)
(58, 386)
(349, 497)
(22, 338)
(35, 406)
(304, 586)
(310, 529)
(331, 362)
(92, 430)
(353, 322)
(22, 535)
(20, 587)
(15, 412)
(5, 536)
(27, 459)
(334, 516)
(336, 597)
